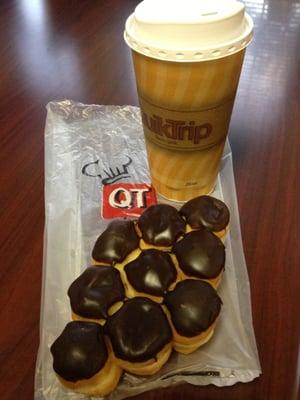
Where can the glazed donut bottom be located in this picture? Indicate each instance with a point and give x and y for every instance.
(221, 234)
(145, 246)
(189, 348)
(149, 367)
(76, 317)
(214, 282)
(185, 344)
(101, 384)
(114, 308)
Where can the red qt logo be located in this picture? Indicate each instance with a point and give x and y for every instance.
(126, 199)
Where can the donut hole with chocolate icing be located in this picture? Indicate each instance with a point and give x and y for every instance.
(200, 255)
(150, 275)
(96, 294)
(159, 227)
(116, 243)
(206, 212)
(82, 360)
(140, 336)
(192, 309)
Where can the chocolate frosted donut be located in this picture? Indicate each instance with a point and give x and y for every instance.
(161, 225)
(80, 351)
(152, 272)
(207, 212)
(139, 330)
(200, 254)
(95, 291)
(116, 242)
(194, 306)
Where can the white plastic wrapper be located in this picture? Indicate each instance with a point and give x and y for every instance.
(86, 146)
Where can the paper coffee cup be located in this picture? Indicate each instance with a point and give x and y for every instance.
(187, 59)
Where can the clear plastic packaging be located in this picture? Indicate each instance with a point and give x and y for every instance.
(103, 137)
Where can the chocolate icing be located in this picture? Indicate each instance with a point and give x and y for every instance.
(206, 211)
(95, 290)
(152, 272)
(139, 330)
(116, 242)
(200, 254)
(80, 351)
(194, 305)
(161, 225)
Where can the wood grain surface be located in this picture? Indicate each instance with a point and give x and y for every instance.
(74, 49)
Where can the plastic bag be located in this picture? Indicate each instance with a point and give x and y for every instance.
(86, 147)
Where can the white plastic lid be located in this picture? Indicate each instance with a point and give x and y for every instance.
(188, 30)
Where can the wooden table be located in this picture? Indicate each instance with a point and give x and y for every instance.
(74, 49)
